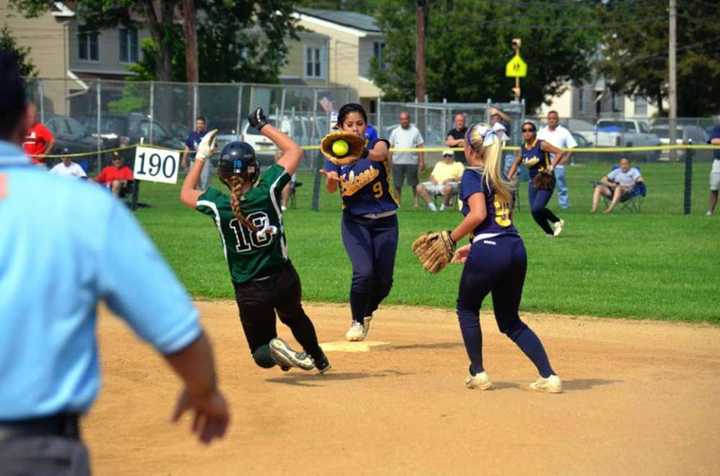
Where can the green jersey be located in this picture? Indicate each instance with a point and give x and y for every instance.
(248, 254)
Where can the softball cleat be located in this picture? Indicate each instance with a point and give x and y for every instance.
(552, 384)
(558, 227)
(322, 364)
(286, 357)
(356, 332)
(481, 381)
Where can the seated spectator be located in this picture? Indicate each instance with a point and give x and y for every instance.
(68, 168)
(444, 181)
(617, 185)
(116, 177)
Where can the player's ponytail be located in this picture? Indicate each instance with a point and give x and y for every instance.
(488, 148)
(235, 184)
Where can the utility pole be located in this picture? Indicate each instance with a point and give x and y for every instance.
(420, 87)
(672, 77)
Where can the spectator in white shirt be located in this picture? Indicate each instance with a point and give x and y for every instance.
(407, 164)
(616, 185)
(561, 138)
(68, 168)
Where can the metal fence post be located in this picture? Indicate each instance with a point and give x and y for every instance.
(687, 198)
(379, 121)
(282, 104)
(99, 124)
(239, 114)
(152, 108)
(195, 105)
(41, 100)
(315, 167)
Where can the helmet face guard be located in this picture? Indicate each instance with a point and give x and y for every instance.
(237, 159)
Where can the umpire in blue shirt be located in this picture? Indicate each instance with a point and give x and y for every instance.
(65, 245)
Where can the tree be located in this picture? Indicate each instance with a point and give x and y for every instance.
(469, 43)
(8, 43)
(635, 52)
(238, 40)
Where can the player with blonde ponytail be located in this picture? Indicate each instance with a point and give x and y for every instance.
(495, 261)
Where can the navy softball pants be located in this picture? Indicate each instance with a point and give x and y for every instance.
(538, 207)
(371, 245)
(497, 266)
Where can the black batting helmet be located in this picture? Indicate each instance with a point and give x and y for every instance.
(238, 158)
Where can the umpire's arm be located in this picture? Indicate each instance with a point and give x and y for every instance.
(140, 287)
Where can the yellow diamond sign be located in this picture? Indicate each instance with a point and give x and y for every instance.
(516, 68)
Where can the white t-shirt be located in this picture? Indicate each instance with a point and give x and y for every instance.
(625, 179)
(74, 170)
(716, 166)
(560, 137)
(405, 138)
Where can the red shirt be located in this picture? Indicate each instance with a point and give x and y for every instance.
(36, 141)
(111, 173)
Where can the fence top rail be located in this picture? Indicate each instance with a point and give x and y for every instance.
(180, 83)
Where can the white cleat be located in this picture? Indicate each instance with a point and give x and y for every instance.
(286, 357)
(481, 381)
(552, 384)
(356, 332)
(558, 227)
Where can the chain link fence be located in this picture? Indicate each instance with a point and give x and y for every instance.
(94, 117)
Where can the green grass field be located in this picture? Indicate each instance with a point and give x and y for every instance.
(654, 264)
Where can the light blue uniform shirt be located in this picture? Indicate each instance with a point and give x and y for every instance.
(64, 245)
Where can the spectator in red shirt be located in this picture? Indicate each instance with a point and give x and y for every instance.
(116, 176)
(39, 140)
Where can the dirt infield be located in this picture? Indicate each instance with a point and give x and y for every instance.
(640, 398)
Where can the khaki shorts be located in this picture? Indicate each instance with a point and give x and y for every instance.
(437, 189)
(714, 181)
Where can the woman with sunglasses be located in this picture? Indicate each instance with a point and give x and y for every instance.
(535, 155)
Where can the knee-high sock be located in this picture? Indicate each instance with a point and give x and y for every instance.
(472, 337)
(531, 346)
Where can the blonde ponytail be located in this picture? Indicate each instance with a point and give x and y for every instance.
(491, 156)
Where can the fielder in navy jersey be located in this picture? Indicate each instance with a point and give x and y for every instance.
(494, 263)
(369, 221)
(535, 155)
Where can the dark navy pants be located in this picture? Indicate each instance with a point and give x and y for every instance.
(497, 266)
(43, 456)
(538, 207)
(371, 245)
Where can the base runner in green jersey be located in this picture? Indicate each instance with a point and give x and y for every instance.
(249, 220)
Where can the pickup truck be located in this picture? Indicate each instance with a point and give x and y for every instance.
(627, 133)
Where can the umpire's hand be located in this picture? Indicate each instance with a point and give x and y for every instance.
(211, 415)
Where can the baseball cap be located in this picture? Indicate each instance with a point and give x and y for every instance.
(447, 152)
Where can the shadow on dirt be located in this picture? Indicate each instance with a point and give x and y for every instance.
(315, 380)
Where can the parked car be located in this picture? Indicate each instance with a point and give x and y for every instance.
(133, 128)
(71, 137)
(627, 133)
(684, 134)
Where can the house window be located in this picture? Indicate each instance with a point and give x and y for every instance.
(379, 54)
(128, 45)
(641, 106)
(615, 101)
(314, 62)
(581, 100)
(88, 45)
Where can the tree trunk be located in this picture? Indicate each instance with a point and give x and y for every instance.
(191, 49)
(160, 27)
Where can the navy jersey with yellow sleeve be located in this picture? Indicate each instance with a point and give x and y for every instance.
(248, 255)
(534, 158)
(498, 219)
(365, 185)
